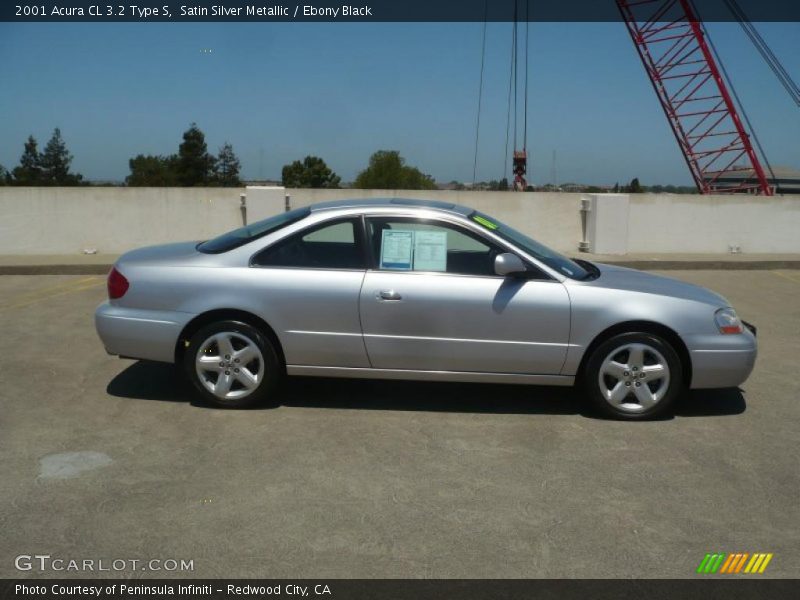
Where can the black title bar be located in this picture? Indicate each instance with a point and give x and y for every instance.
(738, 588)
(102, 11)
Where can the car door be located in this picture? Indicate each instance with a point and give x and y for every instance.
(432, 302)
(309, 286)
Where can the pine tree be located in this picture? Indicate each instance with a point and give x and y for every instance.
(55, 162)
(195, 166)
(29, 171)
(226, 169)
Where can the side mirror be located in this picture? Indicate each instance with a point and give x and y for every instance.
(508, 264)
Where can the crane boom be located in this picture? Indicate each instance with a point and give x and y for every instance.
(672, 46)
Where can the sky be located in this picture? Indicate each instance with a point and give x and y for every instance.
(279, 92)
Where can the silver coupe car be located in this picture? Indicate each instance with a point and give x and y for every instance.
(410, 289)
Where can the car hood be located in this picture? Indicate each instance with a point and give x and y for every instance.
(166, 254)
(622, 278)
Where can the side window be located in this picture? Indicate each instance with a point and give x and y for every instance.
(327, 246)
(401, 244)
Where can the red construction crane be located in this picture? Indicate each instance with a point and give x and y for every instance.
(671, 43)
(690, 84)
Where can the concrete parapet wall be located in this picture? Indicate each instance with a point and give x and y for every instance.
(52, 220)
(713, 224)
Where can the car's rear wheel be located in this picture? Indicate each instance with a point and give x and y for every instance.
(634, 376)
(233, 365)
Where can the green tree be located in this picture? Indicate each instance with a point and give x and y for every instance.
(312, 172)
(387, 170)
(55, 162)
(635, 187)
(5, 176)
(153, 171)
(195, 166)
(29, 171)
(226, 168)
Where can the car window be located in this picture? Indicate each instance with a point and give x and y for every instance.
(342, 233)
(326, 246)
(248, 233)
(551, 258)
(406, 244)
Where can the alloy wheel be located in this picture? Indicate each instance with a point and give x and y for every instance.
(229, 365)
(634, 377)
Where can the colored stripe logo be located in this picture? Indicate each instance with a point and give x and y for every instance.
(735, 563)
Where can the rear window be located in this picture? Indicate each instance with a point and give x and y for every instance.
(248, 233)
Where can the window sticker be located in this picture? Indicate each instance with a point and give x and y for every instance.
(396, 249)
(484, 221)
(430, 251)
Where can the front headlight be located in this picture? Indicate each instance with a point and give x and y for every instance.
(727, 321)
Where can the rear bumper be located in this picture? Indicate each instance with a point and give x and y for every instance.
(724, 360)
(138, 333)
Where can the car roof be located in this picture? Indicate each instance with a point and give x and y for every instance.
(392, 202)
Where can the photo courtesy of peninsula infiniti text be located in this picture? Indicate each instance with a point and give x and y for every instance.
(411, 289)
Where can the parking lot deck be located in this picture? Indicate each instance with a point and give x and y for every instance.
(108, 458)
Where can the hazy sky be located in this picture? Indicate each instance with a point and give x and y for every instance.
(341, 91)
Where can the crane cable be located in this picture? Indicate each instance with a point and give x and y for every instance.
(735, 94)
(515, 59)
(480, 92)
(766, 52)
(527, 31)
(511, 79)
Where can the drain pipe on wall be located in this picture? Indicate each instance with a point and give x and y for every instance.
(287, 203)
(586, 206)
(243, 208)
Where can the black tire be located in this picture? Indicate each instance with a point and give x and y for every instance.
(663, 391)
(240, 335)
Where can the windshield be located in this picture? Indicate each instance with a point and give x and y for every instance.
(248, 233)
(551, 258)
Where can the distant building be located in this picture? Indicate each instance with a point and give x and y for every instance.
(786, 181)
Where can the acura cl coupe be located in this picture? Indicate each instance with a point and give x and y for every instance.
(410, 289)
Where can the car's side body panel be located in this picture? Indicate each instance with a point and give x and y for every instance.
(314, 313)
(463, 323)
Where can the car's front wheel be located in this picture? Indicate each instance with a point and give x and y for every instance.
(634, 376)
(233, 365)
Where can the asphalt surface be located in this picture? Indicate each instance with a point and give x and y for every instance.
(110, 459)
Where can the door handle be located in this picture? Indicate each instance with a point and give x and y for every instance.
(389, 295)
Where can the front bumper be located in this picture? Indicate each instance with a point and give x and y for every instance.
(139, 333)
(723, 361)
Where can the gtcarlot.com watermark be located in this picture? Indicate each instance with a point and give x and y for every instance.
(46, 562)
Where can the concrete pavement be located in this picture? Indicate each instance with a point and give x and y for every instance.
(108, 458)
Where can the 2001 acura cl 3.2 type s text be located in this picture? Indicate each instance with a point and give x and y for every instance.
(409, 289)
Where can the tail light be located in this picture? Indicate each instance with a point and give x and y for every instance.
(727, 321)
(117, 284)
